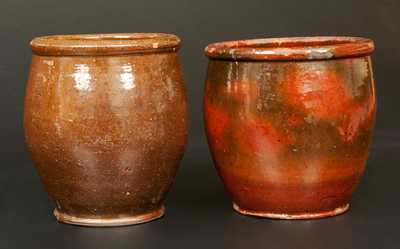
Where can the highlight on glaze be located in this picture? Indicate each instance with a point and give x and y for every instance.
(290, 132)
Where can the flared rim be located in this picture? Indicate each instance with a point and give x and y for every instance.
(104, 44)
(291, 48)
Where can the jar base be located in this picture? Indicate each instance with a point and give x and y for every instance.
(109, 222)
(299, 216)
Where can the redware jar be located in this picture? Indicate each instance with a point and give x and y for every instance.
(106, 124)
(289, 122)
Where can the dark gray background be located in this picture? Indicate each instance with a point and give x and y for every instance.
(199, 213)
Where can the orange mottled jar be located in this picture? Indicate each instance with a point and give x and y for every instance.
(106, 124)
(289, 122)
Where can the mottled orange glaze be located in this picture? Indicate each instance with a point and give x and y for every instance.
(321, 93)
(297, 142)
(106, 124)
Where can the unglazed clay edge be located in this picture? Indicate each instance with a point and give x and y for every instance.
(109, 222)
(302, 216)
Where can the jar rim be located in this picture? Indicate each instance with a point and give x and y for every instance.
(291, 48)
(104, 44)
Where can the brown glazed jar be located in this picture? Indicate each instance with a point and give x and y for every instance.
(289, 122)
(106, 124)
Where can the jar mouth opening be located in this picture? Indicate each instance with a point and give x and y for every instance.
(104, 44)
(291, 48)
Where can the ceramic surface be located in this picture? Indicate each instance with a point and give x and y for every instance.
(106, 124)
(289, 122)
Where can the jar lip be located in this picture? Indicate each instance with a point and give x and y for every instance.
(291, 48)
(104, 44)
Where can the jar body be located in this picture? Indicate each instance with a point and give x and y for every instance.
(290, 139)
(106, 133)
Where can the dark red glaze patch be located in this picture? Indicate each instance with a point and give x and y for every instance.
(255, 135)
(296, 191)
(218, 123)
(295, 120)
(241, 90)
(356, 117)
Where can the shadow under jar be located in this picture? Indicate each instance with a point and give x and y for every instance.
(289, 122)
(106, 124)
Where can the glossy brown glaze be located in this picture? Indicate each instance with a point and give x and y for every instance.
(289, 132)
(106, 124)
